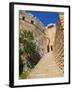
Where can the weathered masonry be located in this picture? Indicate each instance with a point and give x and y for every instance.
(50, 33)
(30, 23)
(59, 43)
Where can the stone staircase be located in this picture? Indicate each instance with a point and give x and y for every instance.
(46, 68)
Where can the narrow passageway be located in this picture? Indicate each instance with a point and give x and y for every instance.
(43, 42)
(46, 67)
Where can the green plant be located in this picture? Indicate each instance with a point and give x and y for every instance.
(27, 46)
(24, 74)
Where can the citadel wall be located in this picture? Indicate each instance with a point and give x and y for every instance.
(30, 23)
(59, 43)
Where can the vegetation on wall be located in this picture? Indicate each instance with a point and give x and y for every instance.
(28, 57)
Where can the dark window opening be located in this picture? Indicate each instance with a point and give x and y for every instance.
(48, 48)
(23, 18)
(32, 22)
(51, 48)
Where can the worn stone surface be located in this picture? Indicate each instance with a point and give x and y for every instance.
(46, 67)
(59, 43)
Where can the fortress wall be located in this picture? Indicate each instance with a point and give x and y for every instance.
(59, 46)
(29, 17)
(37, 28)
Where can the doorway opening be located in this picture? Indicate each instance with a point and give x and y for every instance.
(51, 48)
(48, 48)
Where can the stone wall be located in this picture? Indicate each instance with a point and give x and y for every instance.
(59, 45)
(50, 33)
(28, 22)
(61, 17)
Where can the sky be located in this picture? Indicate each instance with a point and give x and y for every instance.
(46, 17)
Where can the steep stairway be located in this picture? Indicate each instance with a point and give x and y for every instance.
(46, 67)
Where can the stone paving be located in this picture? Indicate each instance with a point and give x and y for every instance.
(46, 67)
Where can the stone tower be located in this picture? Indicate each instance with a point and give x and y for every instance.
(50, 33)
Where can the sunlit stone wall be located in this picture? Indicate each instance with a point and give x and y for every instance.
(59, 43)
(30, 23)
